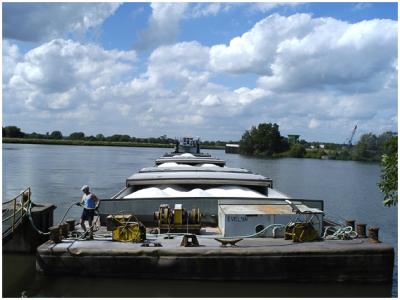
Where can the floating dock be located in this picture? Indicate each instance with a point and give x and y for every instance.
(269, 259)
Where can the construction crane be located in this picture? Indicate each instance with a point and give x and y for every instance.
(348, 142)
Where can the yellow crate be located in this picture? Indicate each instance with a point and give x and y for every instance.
(127, 233)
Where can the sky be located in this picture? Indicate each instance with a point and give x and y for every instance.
(208, 70)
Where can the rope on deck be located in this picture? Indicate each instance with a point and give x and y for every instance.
(339, 233)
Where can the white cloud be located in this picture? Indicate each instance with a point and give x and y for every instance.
(357, 57)
(211, 100)
(163, 25)
(362, 6)
(208, 9)
(60, 74)
(247, 96)
(301, 52)
(189, 54)
(11, 55)
(268, 6)
(313, 123)
(35, 22)
(205, 9)
(255, 50)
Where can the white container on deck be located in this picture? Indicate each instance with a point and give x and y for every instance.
(243, 220)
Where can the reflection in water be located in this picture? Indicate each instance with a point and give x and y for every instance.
(56, 174)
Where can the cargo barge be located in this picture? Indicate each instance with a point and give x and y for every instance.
(192, 217)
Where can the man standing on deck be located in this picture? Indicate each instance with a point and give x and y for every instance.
(90, 203)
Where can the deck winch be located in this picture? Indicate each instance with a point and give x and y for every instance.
(126, 228)
(178, 219)
(301, 232)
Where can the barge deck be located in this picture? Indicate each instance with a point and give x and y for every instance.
(269, 259)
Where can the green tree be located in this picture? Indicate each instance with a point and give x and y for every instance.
(384, 140)
(246, 144)
(366, 148)
(57, 135)
(77, 136)
(35, 135)
(388, 183)
(125, 138)
(264, 140)
(100, 137)
(371, 147)
(12, 132)
(114, 138)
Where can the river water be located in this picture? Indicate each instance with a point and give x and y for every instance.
(56, 174)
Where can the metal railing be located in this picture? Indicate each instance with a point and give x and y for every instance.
(14, 210)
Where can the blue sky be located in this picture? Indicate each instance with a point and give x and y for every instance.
(204, 69)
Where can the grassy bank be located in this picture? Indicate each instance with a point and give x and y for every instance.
(92, 143)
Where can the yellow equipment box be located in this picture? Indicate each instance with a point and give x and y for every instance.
(127, 233)
(114, 221)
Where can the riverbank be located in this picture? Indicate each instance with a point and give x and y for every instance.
(315, 154)
(327, 155)
(94, 143)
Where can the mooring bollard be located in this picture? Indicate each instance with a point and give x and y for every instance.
(71, 224)
(64, 229)
(351, 223)
(373, 234)
(361, 230)
(55, 235)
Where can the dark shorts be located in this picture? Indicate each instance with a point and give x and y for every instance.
(87, 215)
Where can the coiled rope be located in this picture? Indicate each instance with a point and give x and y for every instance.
(339, 233)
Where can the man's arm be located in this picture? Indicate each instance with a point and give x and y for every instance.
(96, 200)
(80, 203)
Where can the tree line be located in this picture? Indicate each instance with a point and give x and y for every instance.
(15, 132)
(266, 140)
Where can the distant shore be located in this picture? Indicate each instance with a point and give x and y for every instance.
(308, 154)
(94, 143)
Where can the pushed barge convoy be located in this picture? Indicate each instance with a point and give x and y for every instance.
(192, 217)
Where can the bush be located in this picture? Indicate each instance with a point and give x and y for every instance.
(297, 150)
(388, 183)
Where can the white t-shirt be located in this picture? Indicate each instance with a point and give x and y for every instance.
(88, 201)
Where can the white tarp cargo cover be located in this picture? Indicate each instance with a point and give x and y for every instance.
(184, 155)
(172, 164)
(225, 191)
(208, 166)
